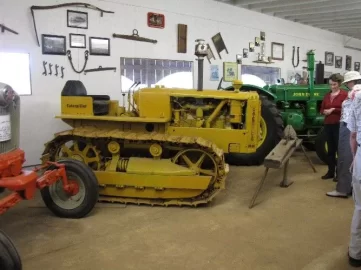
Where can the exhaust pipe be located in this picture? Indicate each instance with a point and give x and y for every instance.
(200, 52)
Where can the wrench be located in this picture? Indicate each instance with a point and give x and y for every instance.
(50, 65)
(44, 64)
(56, 70)
(62, 72)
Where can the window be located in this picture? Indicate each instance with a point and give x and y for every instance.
(151, 72)
(269, 75)
(15, 71)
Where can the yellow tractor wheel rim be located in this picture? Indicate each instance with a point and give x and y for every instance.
(262, 131)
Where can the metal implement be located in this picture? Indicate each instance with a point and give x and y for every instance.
(296, 105)
(164, 148)
(3, 28)
(62, 72)
(293, 57)
(62, 184)
(56, 69)
(135, 37)
(86, 56)
(50, 71)
(75, 4)
(100, 68)
(44, 64)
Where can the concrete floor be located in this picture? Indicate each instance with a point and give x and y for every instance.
(294, 228)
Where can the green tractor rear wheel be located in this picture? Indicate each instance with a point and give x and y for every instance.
(271, 132)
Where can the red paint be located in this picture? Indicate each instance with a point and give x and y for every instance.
(336, 103)
(24, 183)
(151, 23)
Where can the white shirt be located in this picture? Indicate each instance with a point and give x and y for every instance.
(346, 110)
(354, 125)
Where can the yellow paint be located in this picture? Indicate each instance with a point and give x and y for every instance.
(158, 130)
(79, 106)
(305, 94)
(143, 180)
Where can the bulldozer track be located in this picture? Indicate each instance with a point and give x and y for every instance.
(93, 133)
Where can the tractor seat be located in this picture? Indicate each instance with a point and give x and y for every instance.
(77, 88)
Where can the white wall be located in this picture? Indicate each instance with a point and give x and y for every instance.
(204, 18)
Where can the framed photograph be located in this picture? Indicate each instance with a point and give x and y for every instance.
(277, 51)
(52, 44)
(263, 36)
(77, 19)
(338, 61)
(230, 71)
(251, 47)
(77, 41)
(329, 58)
(357, 66)
(214, 70)
(156, 20)
(348, 62)
(245, 53)
(99, 46)
(257, 41)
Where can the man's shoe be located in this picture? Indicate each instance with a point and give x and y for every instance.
(328, 176)
(354, 262)
(335, 193)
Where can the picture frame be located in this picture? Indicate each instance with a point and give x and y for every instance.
(77, 19)
(329, 58)
(348, 62)
(214, 73)
(53, 44)
(257, 41)
(277, 51)
(99, 46)
(251, 47)
(338, 61)
(245, 53)
(230, 71)
(155, 20)
(356, 66)
(263, 36)
(77, 40)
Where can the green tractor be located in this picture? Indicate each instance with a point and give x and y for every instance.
(296, 105)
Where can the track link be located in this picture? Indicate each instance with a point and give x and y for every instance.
(93, 133)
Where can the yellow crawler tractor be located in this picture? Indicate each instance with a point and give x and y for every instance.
(166, 148)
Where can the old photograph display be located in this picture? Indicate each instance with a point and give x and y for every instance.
(77, 19)
(77, 41)
(99, 46)
(52, 44)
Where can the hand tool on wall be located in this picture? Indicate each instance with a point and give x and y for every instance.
(3, 28)
(219, 44)
(62, 72)
(56, 70)
(50, 71)
(135, 37)
(75, 4)
(44, 64)
(86, 56)
(293, 57)
(100, 68)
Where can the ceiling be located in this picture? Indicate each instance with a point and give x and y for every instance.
(338, 16)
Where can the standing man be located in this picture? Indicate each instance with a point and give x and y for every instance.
(354, 125)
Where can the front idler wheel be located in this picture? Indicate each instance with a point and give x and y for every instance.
(83, 196)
